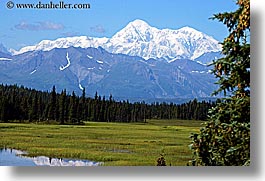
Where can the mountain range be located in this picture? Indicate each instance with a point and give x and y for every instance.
(140, 39)
(139, 62)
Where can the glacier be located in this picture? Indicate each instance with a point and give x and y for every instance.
(68, 63)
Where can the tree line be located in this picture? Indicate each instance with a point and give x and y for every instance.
(18, 103)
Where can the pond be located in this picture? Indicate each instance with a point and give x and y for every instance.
(12, 157)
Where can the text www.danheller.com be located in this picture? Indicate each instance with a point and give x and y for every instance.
(49, 5)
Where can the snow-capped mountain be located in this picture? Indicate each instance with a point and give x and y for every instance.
(140, 39)
(80, 41)
(137, 63)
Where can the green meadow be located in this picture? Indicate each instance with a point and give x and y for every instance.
(114, 144)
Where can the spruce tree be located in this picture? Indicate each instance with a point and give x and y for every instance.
(73, 108)
(225, 139)
(4, 108)
(62, 107)
(33, 109)
(52, 105)
(82, 107)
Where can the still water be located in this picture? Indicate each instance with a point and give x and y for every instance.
(12, 157)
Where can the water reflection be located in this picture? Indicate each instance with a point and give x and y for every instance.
(12, 157)
(46, 161)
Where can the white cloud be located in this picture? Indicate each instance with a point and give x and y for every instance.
(39, 26)
(98, 29)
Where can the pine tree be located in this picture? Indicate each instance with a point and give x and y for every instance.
(33, 109)
(40, 105)
(52, 105)
(62, 107)
(83, 111)
(4, 110)
(73, 108)
(225, 139)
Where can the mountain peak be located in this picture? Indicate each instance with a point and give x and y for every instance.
(140, 39)
(187, 28)
(136, 31)
(191, 32)
(138, 26)
(138, 23)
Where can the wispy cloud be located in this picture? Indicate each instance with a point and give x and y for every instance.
(70, 33)
(98, 29)
(39, 26)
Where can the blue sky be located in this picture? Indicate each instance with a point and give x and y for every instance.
(21, 27)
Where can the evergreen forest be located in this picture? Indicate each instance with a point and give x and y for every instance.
(20, 104)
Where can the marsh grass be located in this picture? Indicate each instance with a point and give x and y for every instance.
(115, 144)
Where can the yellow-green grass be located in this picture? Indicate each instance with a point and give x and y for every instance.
(115, 144)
